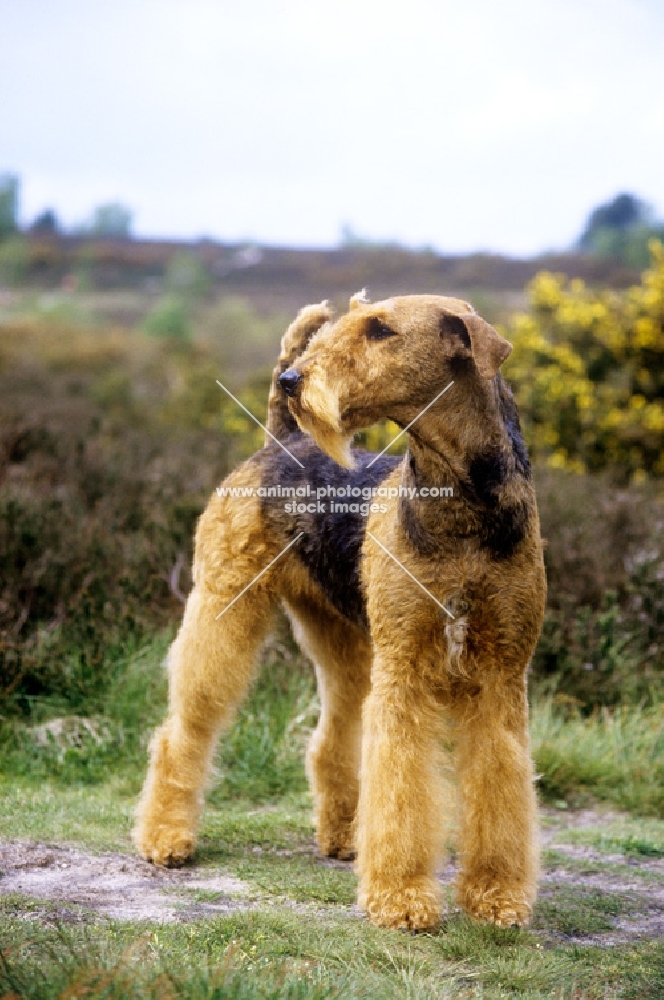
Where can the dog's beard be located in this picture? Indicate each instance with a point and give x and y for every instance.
(317, 413)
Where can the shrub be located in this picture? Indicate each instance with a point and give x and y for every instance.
(14, 260)
(603, 636)
(110, 446)
(168, 319)
(588, 373)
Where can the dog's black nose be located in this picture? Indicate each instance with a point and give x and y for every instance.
(289, 381)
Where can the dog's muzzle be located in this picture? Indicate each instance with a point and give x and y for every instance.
(289, 381)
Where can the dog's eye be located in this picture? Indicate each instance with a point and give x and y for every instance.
(377, 330)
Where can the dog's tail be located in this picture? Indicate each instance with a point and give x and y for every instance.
(280, 420)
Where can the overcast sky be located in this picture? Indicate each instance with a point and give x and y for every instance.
(478, 124)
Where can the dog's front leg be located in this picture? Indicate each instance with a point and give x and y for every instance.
(399, 824)
(498, 835)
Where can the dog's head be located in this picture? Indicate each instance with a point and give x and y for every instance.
(388, 359)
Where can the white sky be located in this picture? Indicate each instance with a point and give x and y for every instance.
(476, 124)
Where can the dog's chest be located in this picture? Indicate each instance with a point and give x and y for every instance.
(327, 506)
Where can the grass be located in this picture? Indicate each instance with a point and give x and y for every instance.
(301, 879)
(575, 911)
(296, 932)
(638, 838)
(281, 954)
(614, 756)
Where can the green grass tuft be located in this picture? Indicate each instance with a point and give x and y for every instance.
(574, 911)
(614, 756)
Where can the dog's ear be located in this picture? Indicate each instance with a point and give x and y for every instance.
(472, 335)
(359, 299)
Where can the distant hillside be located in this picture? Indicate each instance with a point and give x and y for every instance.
(278, 278)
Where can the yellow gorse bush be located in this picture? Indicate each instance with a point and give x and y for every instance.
(588, 373)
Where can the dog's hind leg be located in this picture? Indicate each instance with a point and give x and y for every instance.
(211, 664)
(342, 659)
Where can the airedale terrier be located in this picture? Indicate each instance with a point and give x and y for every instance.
(419, 603)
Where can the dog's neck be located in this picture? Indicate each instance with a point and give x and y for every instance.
(465, 452)
(444, 440)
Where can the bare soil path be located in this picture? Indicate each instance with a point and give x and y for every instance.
(587, 894)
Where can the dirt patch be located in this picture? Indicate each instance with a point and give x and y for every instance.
(556, 821)
(121, 886)
(642, 919)
(641, 888)
(67, 883)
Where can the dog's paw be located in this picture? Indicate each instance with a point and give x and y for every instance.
(166, 847)
(336, 841)
(496, 905)
(412, 907)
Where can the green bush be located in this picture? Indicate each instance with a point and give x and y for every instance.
(603, 637)
(14, 260)
(168, 319)
(111, 446)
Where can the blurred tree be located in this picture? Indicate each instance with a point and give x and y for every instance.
(46, 223)
(622, 212)
(349, 237)
(112, 220)
(9, 185)
(621, 229)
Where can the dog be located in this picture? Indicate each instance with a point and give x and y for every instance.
(415, 584)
